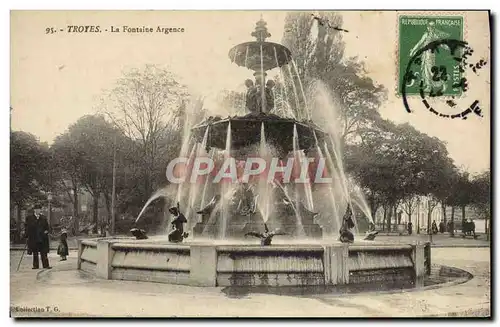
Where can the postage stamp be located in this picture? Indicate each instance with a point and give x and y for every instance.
(438, 71)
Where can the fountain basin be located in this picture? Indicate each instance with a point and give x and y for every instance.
(212, 264)
(246, 130)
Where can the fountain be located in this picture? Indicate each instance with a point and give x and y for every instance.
(277, 136)
(222, 209)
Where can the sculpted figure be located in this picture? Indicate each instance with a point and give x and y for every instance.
(177, 235)
(251, 98)
(267, 237)
(346, 236)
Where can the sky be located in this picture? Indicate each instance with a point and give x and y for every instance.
(57, 78)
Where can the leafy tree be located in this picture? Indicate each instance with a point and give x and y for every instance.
(231, 101)
(481, 201)
(394, 163)
(29, 162)
(67, 164)
(409, 205)
(149, 107)
(85, 153)
(318, 52)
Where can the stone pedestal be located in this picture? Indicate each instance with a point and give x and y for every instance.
(80, 250)
(203, 270)
(104, 259)
(335, 260)
(427, 257)
(419, 266)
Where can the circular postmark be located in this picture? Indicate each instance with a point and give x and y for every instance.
(438, 70)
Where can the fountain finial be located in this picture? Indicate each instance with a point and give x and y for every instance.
(261, 32)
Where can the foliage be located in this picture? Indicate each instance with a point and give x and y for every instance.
(149, 107)
(29, 163)
(86, 153)
(396, 162)
(481, 194)
(318, 52)
(232, 102)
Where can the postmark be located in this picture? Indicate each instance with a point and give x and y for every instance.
(437, 69)
(432, 93)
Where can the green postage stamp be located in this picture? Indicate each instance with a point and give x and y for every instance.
(436, 70)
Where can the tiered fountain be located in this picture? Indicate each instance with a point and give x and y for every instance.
(221, 214)
(263, 133)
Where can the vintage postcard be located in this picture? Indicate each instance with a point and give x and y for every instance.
(250, 164)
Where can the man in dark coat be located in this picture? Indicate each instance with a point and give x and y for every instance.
(37, 232)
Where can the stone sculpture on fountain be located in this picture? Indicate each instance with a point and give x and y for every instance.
(346, 236)
(177, 235)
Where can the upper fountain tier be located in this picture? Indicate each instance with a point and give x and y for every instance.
(281, 132)
(260, 55)
(246, 131)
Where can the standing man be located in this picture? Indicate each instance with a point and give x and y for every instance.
(37, 232)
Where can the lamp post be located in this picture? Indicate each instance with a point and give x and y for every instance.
(113, 192)
(49, 198)
(418, 215)
(429, 219)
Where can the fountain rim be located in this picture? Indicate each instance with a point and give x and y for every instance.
(235, 48)
(130, 242)
(305, 124)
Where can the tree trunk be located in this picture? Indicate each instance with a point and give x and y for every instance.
(452, 232)
(373, 206)
(385, 217)
(389, 218)
(463, 216)
(107, 199)
(95, 213)
(418, 217)
(443, 207)
(429, 220)
(395, 214)
(486, 227)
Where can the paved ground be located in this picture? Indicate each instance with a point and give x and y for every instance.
(63, 291)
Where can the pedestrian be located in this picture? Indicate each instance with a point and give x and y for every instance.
(472, 228)
(37, 234)
(62, 249)
(410, 228)
(434, 228)
(441, 227)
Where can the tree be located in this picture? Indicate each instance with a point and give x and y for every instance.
(29, 162)
(394, 163)
(231, 101)
(318, 52)
(409, 205)
(149, 107)
(67, 163)
(85, 153)
(481, 201)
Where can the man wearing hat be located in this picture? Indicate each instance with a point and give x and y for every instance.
(37, 232)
